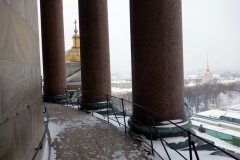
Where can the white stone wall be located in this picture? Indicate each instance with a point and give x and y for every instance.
(21, 117)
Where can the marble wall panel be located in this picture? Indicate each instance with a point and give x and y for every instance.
(35, 51)
(14, 88)
(6, 133)
(22, 34)
(18, 41)
(34, 84)
(22, 141)
(6, 32)
(18, 6)
(40, 153)
(0, 94)
(32, 152)
(38, 126)
(37, 120)
(32, 15)
(41, 119)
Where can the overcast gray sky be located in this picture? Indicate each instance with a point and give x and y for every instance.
(210, 27)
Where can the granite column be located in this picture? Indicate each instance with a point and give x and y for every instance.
(95, 60)
(157, 64)
(53, 51)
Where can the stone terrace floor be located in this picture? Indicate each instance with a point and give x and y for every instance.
(78, 135)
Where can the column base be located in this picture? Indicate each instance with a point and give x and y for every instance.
(96, 105)
(165, 130)
(55, 98)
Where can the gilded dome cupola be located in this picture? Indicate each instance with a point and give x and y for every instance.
(73, 54)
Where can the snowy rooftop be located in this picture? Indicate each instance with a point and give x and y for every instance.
(233, 114)
(234, 107)
(216, 128)
(212, 113)
(215, 113)
(216, 123)
(217, 142)
(228, 81)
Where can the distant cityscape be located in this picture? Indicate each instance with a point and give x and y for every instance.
(202, 90)
(124, 80)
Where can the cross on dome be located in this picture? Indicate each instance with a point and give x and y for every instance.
(75, 30)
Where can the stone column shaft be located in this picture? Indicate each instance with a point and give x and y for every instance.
(157, 59)
(95, 60)
(53, 50)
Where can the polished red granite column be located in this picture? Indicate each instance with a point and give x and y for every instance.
(95, 61)
(157, 60)
(53, 51)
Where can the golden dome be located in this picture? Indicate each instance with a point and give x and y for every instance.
(73, 54)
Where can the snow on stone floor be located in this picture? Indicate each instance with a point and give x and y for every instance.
(78, 135)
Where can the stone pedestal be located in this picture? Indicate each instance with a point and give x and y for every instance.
(157, 63)
(95, 61)
(53, 47)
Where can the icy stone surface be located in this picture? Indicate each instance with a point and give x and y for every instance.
(77, 135)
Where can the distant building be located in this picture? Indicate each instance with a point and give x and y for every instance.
(207, 76)
(213, 106)
(73, 62)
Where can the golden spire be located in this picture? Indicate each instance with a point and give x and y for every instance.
(207, 64)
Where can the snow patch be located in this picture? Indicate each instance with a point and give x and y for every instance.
(55, 128)
(119, 155)
(172, 125)
(174, 121)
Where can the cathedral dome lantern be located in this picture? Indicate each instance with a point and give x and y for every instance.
(73, 62)
(73, 54)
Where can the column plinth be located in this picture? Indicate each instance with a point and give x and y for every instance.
(157, 63)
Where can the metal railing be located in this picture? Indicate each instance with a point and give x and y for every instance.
(151, 127)
(44, 134)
